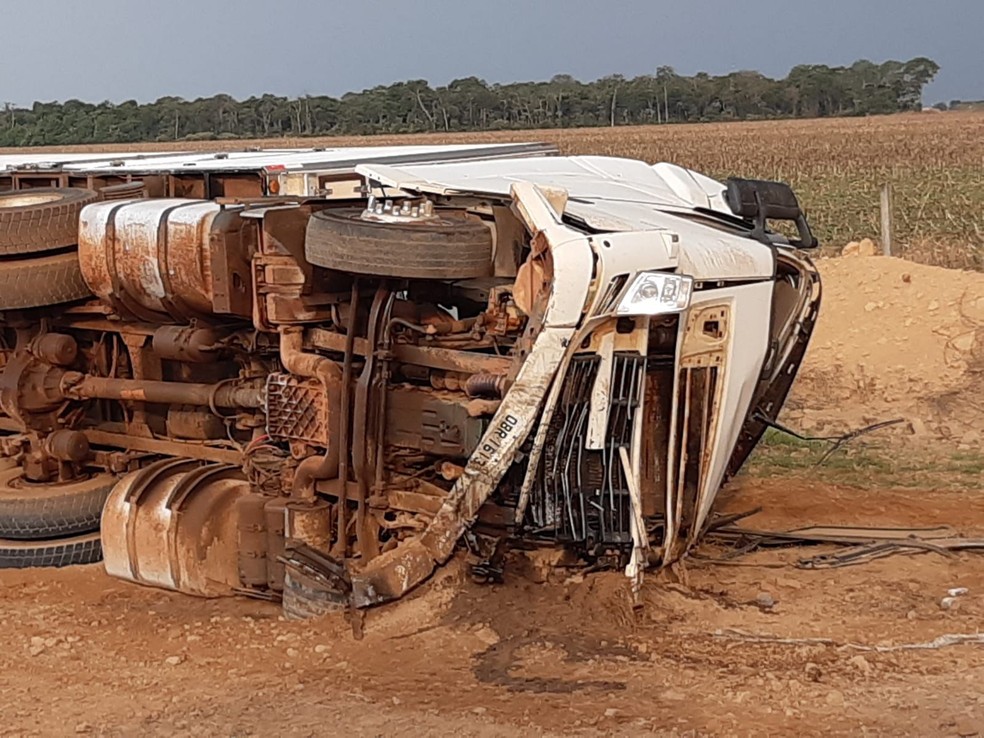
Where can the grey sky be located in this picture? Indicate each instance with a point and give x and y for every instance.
(120, 49)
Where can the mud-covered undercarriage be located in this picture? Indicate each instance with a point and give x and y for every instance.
(322, 399)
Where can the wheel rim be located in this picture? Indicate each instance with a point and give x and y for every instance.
(13, 484)
(27, 200)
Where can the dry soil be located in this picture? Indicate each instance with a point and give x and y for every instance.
(750, 646)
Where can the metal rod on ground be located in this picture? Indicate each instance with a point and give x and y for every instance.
(886, 219)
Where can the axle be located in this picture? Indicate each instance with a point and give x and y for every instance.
(84, 387)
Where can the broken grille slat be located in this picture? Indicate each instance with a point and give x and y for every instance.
(581, 494)
(698, 388)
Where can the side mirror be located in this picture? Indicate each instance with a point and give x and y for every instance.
(760, 200)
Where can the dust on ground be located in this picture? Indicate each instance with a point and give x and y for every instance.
(81, 653)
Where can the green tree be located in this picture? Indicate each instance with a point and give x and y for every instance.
(469, 104)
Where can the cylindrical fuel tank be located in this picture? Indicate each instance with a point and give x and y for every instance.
(175, 524)
(172, 257)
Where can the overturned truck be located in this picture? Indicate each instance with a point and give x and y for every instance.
(320, 382)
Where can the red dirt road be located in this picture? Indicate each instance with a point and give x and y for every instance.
(83, 654)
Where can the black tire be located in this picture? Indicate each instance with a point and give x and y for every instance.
(85, 549)
(41, 281)
(40, 511)
(123, 191)
(43, 219)
(444, 248)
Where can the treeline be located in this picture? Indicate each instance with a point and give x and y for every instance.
(471, 104)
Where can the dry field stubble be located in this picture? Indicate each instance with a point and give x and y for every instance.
(935, 163)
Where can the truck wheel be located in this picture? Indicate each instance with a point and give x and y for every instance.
(32, 221)
(38, 511)
(444, 248)
(85, 549)
(41, 281)
(123, 191)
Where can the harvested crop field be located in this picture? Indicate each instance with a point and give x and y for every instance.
(750, 646)
(934, 161)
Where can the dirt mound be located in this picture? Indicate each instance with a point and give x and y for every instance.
(896, 339)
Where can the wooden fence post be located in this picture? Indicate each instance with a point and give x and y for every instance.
(886, 219)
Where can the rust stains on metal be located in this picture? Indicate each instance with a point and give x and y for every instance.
(195, 344)
(68, 445)
(57, 348)
(152, 259)
(78, 386)
(486, 385)
(183, 449)
(329, 375)
(393, 573)
(174, 525)
(29, 391)
(298, 410)
(309, 522)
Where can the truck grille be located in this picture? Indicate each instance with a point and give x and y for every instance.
(695, 421)
(581, 494)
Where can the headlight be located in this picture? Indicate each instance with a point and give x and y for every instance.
(652, 293)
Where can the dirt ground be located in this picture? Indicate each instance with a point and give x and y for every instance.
(81, 653)
(896, 340)
(751, 646)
